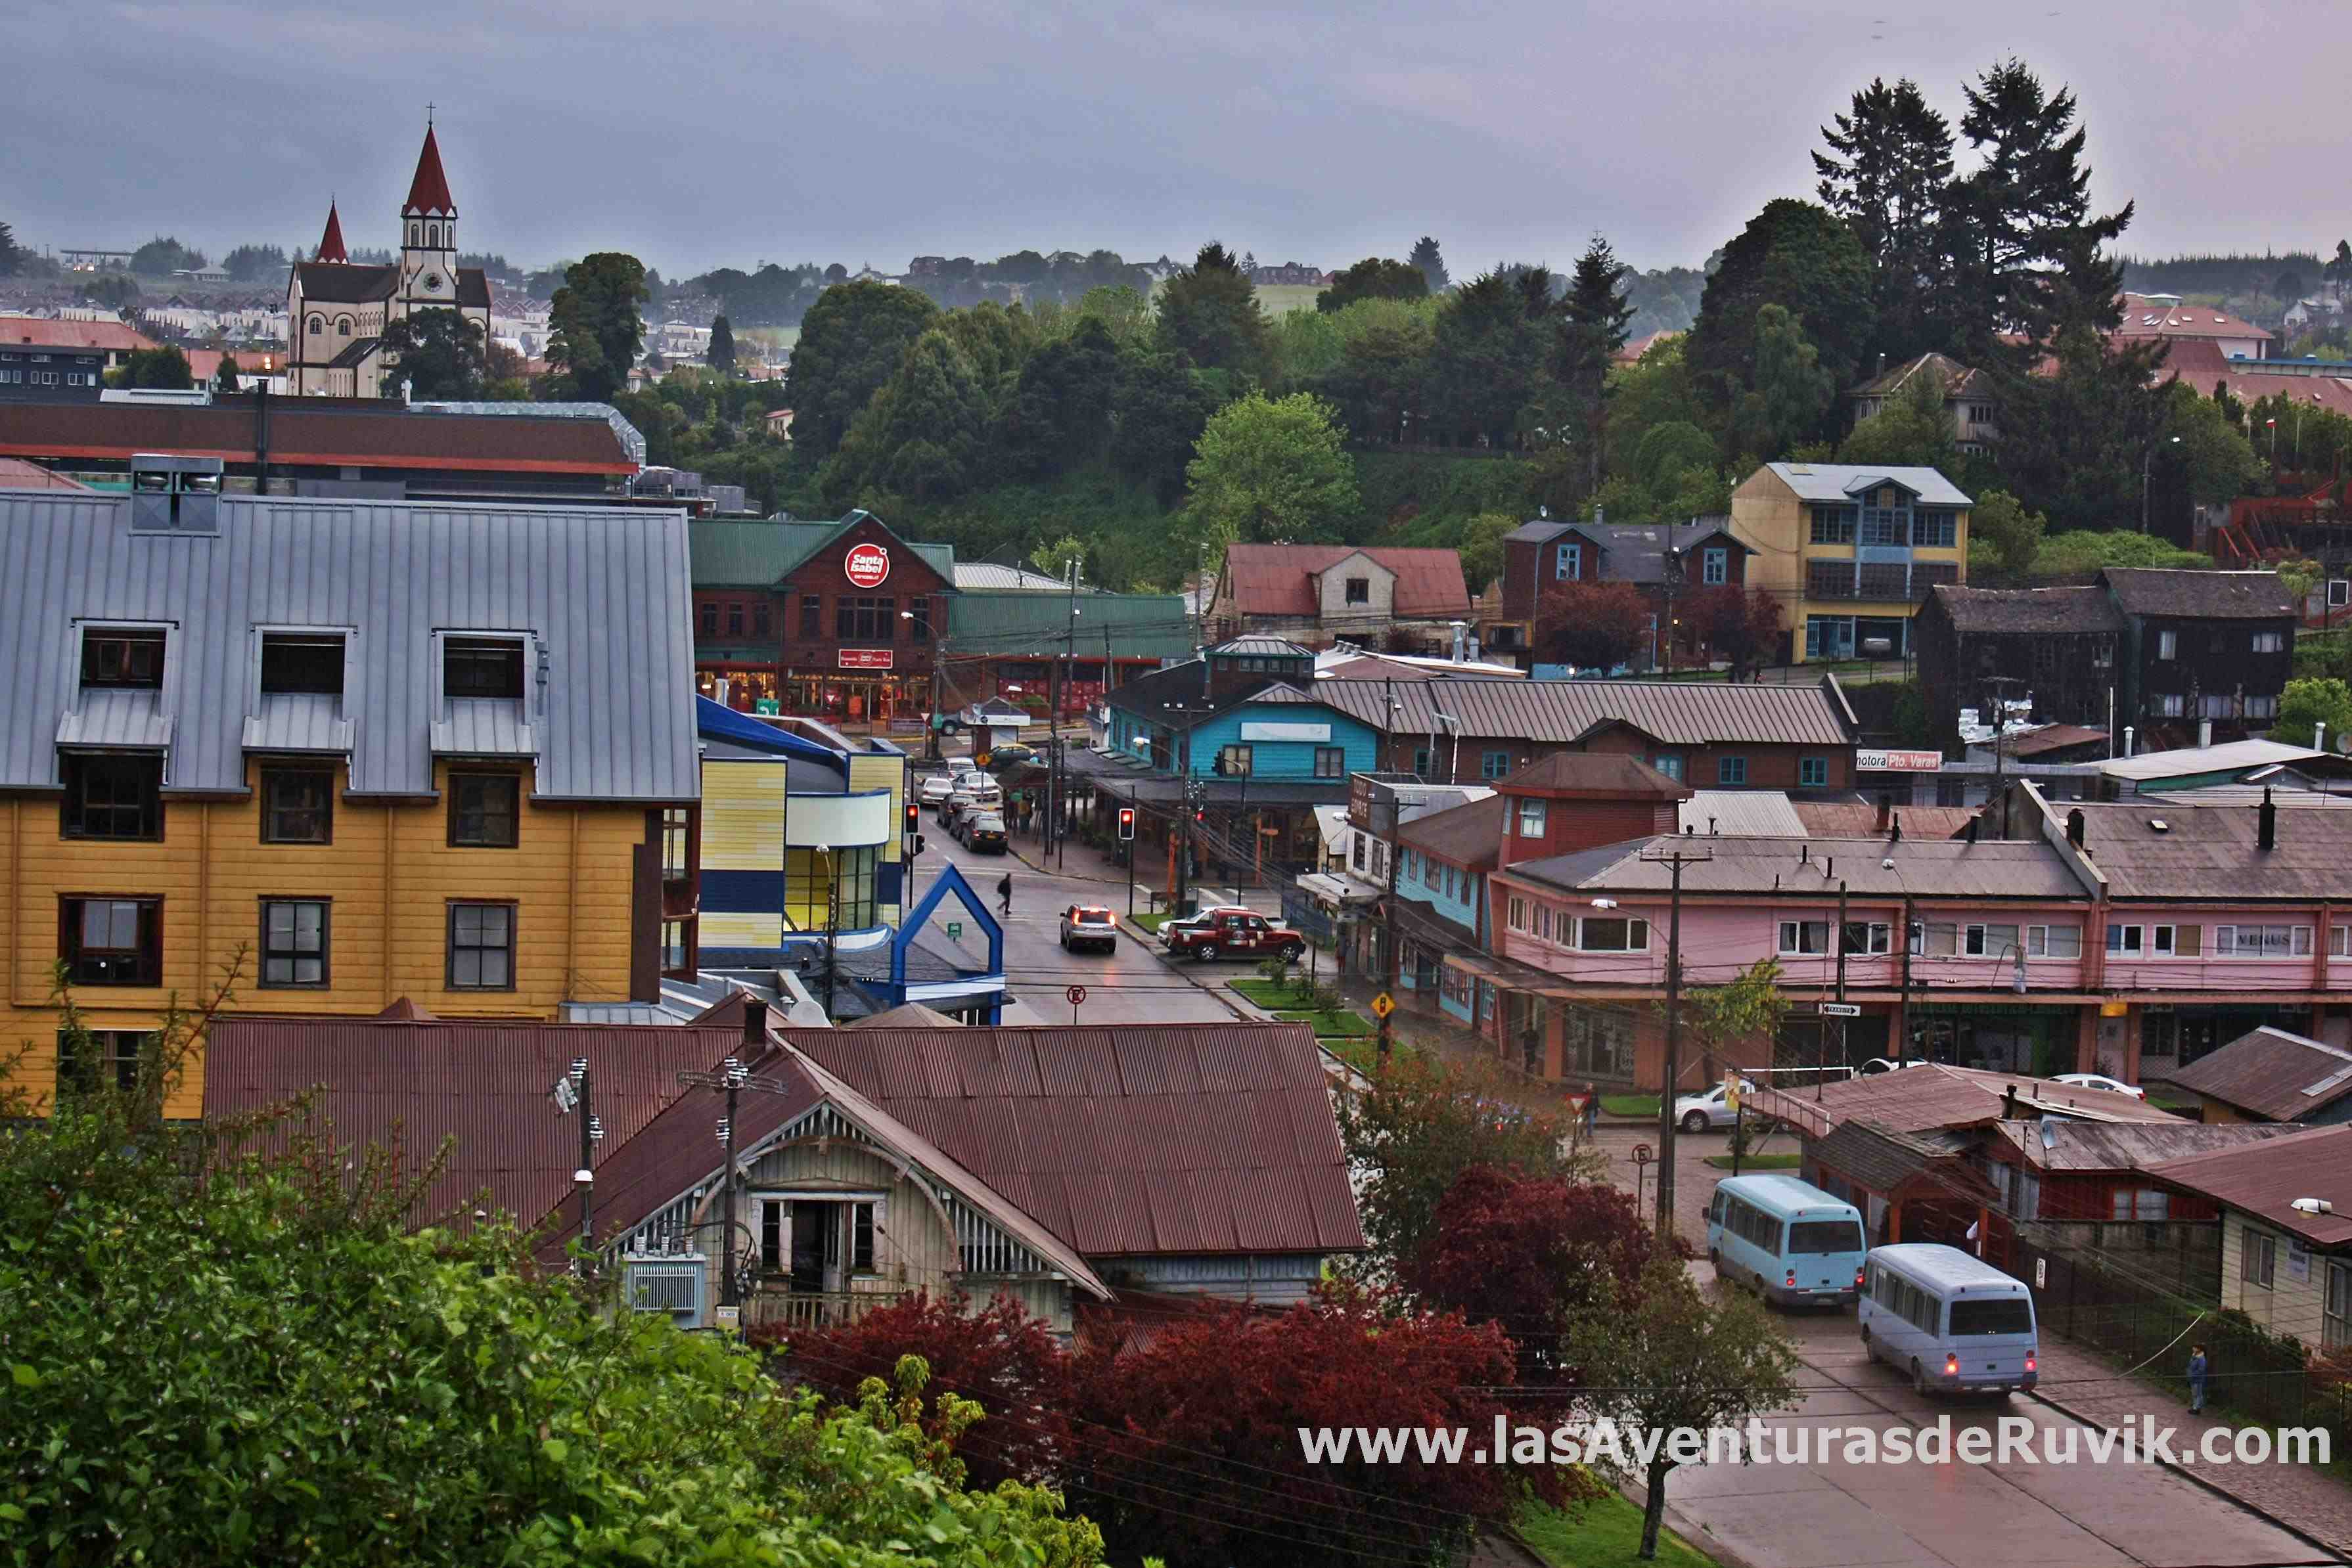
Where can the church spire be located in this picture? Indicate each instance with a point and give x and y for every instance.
(330, 244)
(428, 194)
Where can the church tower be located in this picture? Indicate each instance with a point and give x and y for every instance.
(428, 235)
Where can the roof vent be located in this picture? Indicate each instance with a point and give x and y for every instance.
(2330, 1081)
(2158, 824)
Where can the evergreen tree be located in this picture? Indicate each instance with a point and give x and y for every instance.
(1486, 362)
(1210, 314)
(1888, 181)
(1432, 264)
(1789, 393)
(722, 345)
(441, 354)
(596, 323)
(12, 255)
(226, 378)
(1797, 256)
(1374, 277)
(2022, 223)
(1594, 320)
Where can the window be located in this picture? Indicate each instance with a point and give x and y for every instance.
(2337, 1331)
(1518, 912)
(1992, 941)
(1235, 761)
(112, 796)
(853, 871)
(1814, 1237)
(1805, 938)
(2053, 941)
(1886, 526)
(866, 618)
(343, 325)
(709, 619)
(2269, 641)
(678, 843)
(861, 1238)
(113, 941)
(318, 323)
(1531, 819)
(1862, 938)
(2261, 941)
(1494, 764)
(1813, 772)
(1934, 530)
(2261, 708)
(298, 807)
(676, 948)
(485, 811)
(2144, 1203)
(2125, 941)
(1570, 561)
(1428, 877)
(1359, 591)
(481, 946)
(2339, 941)
(1715, 566)
(735, 618)
(301, 662)
(1671, 765)
(812, 617)
(919, 628)
(1990, 1316)
(1358, 856)
(2166, 704)
(1543, 922)
(294, 942)
(1731, 770)
(2257, 1257)
(122, 658)
(1330, 762)
(760, 626)
(2179, 941)
(2168, 645)
(101, 1055)
(482, 667)
(1834, 525)
(1611, 934)
(1935, 939)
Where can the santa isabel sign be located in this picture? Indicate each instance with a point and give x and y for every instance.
(866, 565)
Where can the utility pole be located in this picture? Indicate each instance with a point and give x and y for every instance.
(1819, 1077)
(575, 1092)
(1676, 860)
(1389, 966)
(938, 656)
(733, 1079)
(1903, 1036)
(832, 924)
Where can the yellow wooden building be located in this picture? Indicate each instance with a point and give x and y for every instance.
(1850, 551)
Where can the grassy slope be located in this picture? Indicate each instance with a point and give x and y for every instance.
(1606, 1535)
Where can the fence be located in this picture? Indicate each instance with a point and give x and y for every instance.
(2151, 1314)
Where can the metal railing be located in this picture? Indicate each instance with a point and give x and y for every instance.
(814, 1309)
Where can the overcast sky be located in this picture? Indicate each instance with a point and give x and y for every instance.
(705, 133)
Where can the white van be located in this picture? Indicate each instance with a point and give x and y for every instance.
(1953, 1322)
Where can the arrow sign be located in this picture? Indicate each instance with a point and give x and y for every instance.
(1841, 1010)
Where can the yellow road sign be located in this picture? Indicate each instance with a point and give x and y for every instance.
(1383, 1005)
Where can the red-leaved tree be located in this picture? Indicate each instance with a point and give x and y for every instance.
(1601, 624)
(1189, 1448)
(1527, 1254)
(1740, 626)
(1000, 1357)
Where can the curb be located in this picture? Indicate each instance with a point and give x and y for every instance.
(2196, 1479)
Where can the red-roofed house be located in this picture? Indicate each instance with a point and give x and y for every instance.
(2166, 317)
(117, 341)
(1320, 594)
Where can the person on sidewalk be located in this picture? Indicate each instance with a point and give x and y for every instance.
(1004, 894)
(2197, 1365)
(1591, 1108)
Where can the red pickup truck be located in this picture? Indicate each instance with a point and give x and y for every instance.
(1239, 933)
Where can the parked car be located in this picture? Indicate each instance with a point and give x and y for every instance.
(1003, 757)
(2100, 1080)
(936, 789)
(1089, 925)
(1698, 1112)
(1878, 1065)
(954, 806)
(1238, 933)
(984, 834)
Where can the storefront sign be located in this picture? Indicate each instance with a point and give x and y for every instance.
(866, 565)
(1898, 761)
(865, 658)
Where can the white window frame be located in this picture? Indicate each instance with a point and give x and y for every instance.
(2037, 941)
(1531, 817)
(2269, 643)
(2336, 1307)
(1517, 913)
(1789, 938)
(1635, 925)
(2339, 941)
(2168, 645)
(2229, 942)
(2257, 1258)
(2128, 941)
(1877, 938)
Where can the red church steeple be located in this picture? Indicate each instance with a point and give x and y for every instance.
(330, 244)
(428, 194)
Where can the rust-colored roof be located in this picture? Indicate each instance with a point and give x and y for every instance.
(2154, 316)
(1280, 579)
(1932, 1096)
(1469, 836)
(16, 474)
(2264, 1179)
(360, 434)
(429, 191)
(330, 244)
(484, 1085)
(2271, 1073)
(1593, 775)
(1860, 820)
(108, 337)
(2214, 852)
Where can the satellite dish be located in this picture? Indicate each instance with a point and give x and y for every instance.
(2049, 1134)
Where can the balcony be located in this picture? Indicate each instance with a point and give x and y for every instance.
(788, 1309)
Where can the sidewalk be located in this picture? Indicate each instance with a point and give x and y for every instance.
(2312, 1502)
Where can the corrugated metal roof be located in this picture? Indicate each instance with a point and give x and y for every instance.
(2213, 852)
(2199, 595)
(1264, 648)
(2271, 1072)
(114, 718)
(1740, 813)
(1006, 620)
(340, 432)
(2190, 761)
(1933, 1096)
(2114, 1146)
(602, 591)
(1606, 774)
(1557, 713)
(1845, 481)
(1469, 835)
(989, 575)
(2264, 1179)
(1860, 820)
(1931, 868)
(298, 721)
(483, 727)
(764, 551)
(1280, 579)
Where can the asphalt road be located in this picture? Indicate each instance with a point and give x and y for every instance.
(1128, 986)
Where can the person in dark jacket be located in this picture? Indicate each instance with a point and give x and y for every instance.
(1004, 893)
(2197, 1365)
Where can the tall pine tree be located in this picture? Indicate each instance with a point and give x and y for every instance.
(1433, 266)
(1593, 324)
(1888, 180)
(722, 345)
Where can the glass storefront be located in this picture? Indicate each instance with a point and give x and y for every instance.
(838, 698)
(1997, 1038)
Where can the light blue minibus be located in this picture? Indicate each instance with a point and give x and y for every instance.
(1952, 1321)
(1794, 1242)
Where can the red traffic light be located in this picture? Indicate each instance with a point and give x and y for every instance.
(1126, 821)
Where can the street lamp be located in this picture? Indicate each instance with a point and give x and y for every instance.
(2144, 464)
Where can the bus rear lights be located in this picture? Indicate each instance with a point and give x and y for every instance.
(1951, 1366)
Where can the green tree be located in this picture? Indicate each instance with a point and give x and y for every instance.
(924, 437)
(165, 368)
(1592, 326)
(1272, 470)
(1058, 416)
(1485, 361)
(2073, 443)
(1744, 1012)
(227, 377)
(1789, 392)
(1210, 314)
(442, 355)
(1888, 178)
(162, 256)
(1158, 415)
(721, 354)
(2004, 533)
(2308, 703)
(11, 255)
(1384, 352)
(117, 289)
(1680, 1361)
(1430, 263)
(1374, 277)
(1482, 547)
(248, 263)
(596, 323)
(1914, 430)
(851, 341)
(1795, 258)
(1054, 560)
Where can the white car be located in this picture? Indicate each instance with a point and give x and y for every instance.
(1877, 1064)
(936, 788)
(1698, 1112)
(2100, 1080)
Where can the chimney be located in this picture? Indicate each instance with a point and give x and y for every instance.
(1894, 829)
(2319, 736)
(2204, 733)
(1461, 630)
(2075, 827)
(1600, 518)
(1974, 822)
(755, 1022)
(2009, 1103)
(2266, 823)
(2127, 740)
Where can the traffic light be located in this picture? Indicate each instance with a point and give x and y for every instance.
(914, 814)
(1126, 821)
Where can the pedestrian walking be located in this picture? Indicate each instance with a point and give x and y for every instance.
(1591, 1108)
(1004, 893)
(2197, 1379)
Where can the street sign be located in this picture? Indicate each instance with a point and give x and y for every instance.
(1640, 1154)
(1383, 1005)
(1077, 994)
(1841, 1010)
(955, 930)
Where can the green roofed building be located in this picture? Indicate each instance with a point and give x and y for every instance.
(1002, 642)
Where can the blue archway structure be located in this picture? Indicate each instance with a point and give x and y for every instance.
(949, 881)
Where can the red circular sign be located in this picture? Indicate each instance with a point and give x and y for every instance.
(1076, 995)
(866, 565)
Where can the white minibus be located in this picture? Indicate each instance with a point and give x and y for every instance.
(1795, 1243)
(1951, 1320)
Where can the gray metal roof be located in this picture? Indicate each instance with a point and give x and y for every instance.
(1847, 481)
(1555, 713)
(601, 594)
(1929, 868)
(1740, 814)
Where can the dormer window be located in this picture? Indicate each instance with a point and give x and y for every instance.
(301, 662)
(488, 667)
(120, 658)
